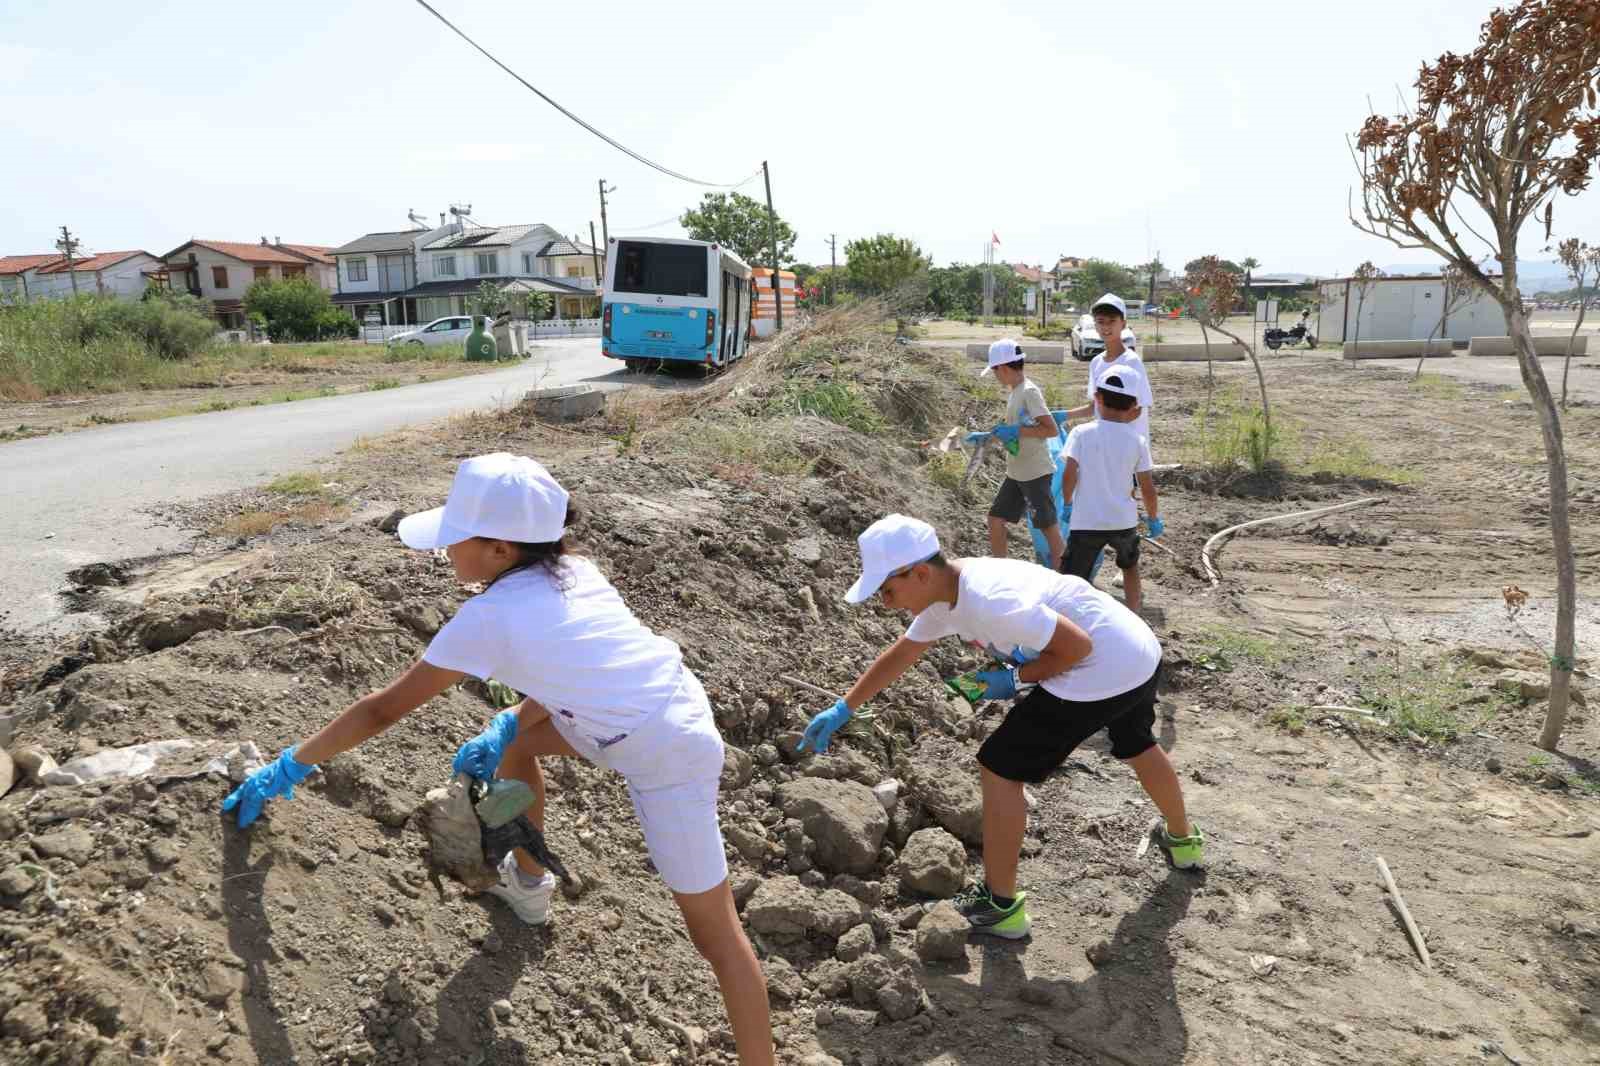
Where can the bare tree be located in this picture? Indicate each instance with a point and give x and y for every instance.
(1364, 277)
(1582, 261)
(1457, 294)
(1499, 131)
(1213, 291)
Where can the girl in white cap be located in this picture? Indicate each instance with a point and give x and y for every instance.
(599, 685)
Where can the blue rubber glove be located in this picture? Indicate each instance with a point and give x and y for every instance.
(1156, 527)
(1060, 417)
(481, 755)
(1006, 434)
(999, 684)
(976, 439)
(823, 726)
(275, 779)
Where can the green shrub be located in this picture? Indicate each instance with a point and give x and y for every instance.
(295, 309)
(836, 401)
(48, 347)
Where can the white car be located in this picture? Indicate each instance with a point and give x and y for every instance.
(1086, 342)
(450, 330)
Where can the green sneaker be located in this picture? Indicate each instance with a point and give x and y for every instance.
(977, 906)
(1188, 853)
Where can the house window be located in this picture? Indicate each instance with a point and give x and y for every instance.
(356, 268)
(263, 273)
(444, 266)
(488, 263)
(294, 272)
(219, 277)
(575, 270)
(528, 262)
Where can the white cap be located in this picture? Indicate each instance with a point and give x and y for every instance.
(1111, 299)
(1123, 380)
(887, 545)
(503, 496)
(1002, 351)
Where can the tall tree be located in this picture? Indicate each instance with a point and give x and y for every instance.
(1098, 277)
(881, 263)
(1498, 132)
(736, 221)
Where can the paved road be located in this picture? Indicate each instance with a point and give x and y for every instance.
(77, 498)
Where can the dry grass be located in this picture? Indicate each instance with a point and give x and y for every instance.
(259, 522)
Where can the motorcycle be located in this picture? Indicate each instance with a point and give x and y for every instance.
(1277, 338)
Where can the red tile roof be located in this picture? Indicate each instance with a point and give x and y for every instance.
(93, 263)
(317, 253)
(16, 264)
(249, 253)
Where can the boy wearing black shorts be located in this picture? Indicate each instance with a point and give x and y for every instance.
(1093, 665)
(1027, 428)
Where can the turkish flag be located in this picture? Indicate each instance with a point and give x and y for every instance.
(994, 238)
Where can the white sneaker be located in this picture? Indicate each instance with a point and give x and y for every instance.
(532, 905)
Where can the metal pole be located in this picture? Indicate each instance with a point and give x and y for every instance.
(605, 233)
(599, 274)
(772, 232)
(833, 264)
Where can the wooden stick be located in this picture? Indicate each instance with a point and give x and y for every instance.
(1149, 835)
(1156, 543)
(1218, 538)
(797, 683)
(1405, 913)
(1339, 708)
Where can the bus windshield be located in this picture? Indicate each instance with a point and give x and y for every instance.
(661, 269)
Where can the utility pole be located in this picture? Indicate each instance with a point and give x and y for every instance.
(68, 244)
(832, 266)
(988, 284)
(772, 232)
(605, 231)
(599, 274)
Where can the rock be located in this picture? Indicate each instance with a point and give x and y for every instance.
(748, 839)
(8, 773)
(942, 934)
(783, 907)
(218, 984)
(16, 881)
(854, 1022)
(502, 1009)
(455, 844)
(1037, 994)
(911, 917)
(31, 763)
(767, 755)
(162, 852)
(821, 1058)
(737, 767)
(423, 621)
(875, 980)
(168, 631)
(1099, 953)
(73, 844)
(610, 921)
(806, 550)
(743, 888)
(26, 1022)
(843, 817)
(888, 793)
(868, 892)
(1492, 765)
(933, 863)
(854, 944)
(783, 982)
(807, 602)
(954, 800)
(390, 522)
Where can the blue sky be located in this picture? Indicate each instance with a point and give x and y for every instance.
(1064, 128)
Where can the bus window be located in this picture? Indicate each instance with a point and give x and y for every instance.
(661, 269)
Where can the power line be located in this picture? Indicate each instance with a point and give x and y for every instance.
(530, 87)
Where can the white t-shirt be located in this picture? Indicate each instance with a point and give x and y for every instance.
(1098, 366)
(1108, 454)
(1008, 604)
(578, 650)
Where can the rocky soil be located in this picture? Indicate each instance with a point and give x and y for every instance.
(137, 925)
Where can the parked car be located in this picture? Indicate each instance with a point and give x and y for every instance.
(1086, 342)
(450, 330)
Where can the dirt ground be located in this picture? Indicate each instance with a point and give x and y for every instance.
(280, 374)
(137, 925)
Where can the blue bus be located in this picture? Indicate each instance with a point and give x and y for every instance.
(675, 301)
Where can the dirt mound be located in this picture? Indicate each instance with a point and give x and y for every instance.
(137, 925)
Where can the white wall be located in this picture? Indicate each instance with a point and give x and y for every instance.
(1403, 310)
(371, 284)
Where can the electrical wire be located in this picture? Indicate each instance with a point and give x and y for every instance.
(609, 140)
(679, 215)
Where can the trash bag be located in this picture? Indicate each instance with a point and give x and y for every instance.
(1057, 446)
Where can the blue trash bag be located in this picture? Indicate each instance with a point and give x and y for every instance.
(1058, 457)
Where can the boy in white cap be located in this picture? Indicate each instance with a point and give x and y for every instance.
(1095, 666)
(599, 685)
(1027, 427)
(1103, 456)
(1111, 321)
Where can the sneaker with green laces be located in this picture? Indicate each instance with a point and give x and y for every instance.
(978, 907)
(1188, 853)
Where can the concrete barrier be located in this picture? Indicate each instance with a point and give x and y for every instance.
(1032, 350)
(1438, 348)
(1223, 351)
(1541, 346)
(566, 403)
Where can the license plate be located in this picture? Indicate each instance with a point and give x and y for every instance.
(658, 334)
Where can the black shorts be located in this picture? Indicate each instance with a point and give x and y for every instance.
(1035, 494)
(1040, 731)
(1083, 547)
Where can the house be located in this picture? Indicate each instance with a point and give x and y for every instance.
(19, 275)
(221, 271)
(124, 274)
(1032, 279)
(525, 258)
(1403, 308)
(376, 271)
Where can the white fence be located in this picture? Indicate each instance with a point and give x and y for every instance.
(546, 330)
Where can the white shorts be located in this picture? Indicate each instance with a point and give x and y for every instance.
(673, 765)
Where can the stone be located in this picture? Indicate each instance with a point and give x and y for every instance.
(843, 817)
(785, 985)
(854, 1022)
(784, 907)
(942, 934)
(74, 844)
(31, 763)
(743, 888)
(953, 799)
(502, 1009)
(933, 863)
(8, 773)
(455, 842)
(748, 839)
(854, 944)
(805, 550)
(767, 754)
(1492, 765)
(16, 881)
(423, 621)
(162, 852)
(1036, 994)
(168, 631)
(218, 984)
(1099, 953)
(821, 1058)
(888, 793)
(26, 1022)
(737, 767)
